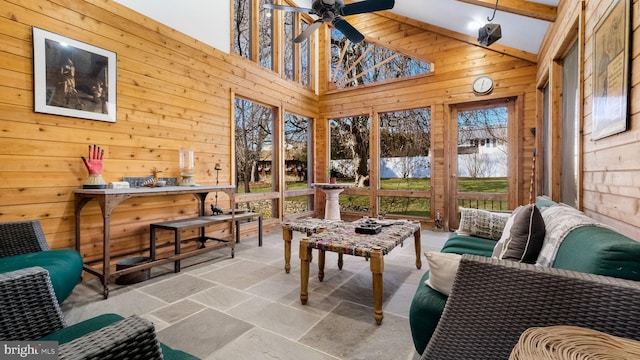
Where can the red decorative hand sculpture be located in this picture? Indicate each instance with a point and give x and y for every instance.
(94, 163)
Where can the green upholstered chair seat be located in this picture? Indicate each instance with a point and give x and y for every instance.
(82, 328)
(64, 266)
(424, 314)
(467, 244)
(24, 245)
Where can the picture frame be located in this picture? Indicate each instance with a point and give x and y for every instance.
(610, 77)
(72, 78)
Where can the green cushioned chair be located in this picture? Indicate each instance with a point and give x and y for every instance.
(23, 245)
(30, 312)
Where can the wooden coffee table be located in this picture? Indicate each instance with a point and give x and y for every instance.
(343, 239)
(308, 226)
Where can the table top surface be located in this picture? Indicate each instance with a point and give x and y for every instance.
(159, 190)
(344, 239)
(310, 224)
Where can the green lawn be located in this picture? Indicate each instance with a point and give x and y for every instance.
(402, 205)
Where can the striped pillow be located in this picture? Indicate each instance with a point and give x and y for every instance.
(482, 223)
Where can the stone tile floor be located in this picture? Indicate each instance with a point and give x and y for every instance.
(249, 308)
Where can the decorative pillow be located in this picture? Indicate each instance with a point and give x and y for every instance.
(482, 223)
(442, 270)
(505, 234)
(523, 239)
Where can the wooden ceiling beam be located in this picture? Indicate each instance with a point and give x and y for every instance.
(520, 7)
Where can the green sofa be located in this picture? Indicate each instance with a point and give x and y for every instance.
(23, 245)
(586, 249)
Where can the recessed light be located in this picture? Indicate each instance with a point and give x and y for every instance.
(474, 25)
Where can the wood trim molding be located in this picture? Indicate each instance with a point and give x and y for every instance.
(520, 7)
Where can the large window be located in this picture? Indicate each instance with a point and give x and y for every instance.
(297, 57)
(305, 58)
(266, 36)
(289, 46)
(242, 28)
(298, 163)
(405, 162)
(366, 63)
(254, 154)
(255, 38)
(349, 161)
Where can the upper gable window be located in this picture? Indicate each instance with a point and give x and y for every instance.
(254, 37)
(365, 63)
(266, 35)
(242, 28)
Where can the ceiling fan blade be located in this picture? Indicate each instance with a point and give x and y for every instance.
(361, 7)
(348, 30)
(304, 35)
(287, 8)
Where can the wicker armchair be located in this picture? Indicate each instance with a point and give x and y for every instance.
(494, 301)
(29, 311)
(21, 237)
(23, 244)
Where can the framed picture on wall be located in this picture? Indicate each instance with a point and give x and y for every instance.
(72, 78)
(610, 71)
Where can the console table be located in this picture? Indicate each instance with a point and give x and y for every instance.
(109, 199)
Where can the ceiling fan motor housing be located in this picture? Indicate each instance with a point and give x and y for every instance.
(327, 9)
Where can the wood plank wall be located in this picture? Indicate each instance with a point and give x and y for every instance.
(172, 92)
(611, 169)
(456, 64)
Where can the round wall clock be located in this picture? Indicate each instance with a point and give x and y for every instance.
(482, 85)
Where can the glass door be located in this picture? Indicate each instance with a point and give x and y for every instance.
(479, 167)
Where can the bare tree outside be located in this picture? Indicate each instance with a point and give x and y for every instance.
(297, 131)
(482, 142)
(242, 28)
(350, 149)
(305, 58)
(298, 155)
(405, 141)
(289, 53)
(365, 63)
(478, 165)
(254, 146)
(405, 162)
(482, 157)
(265, 36)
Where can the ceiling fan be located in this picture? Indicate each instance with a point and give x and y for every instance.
(332, 11)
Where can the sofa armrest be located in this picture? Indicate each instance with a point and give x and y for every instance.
(131, 338)
(493, 301)
(28, 305)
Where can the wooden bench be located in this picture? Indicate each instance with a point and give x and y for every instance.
(178, 226)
